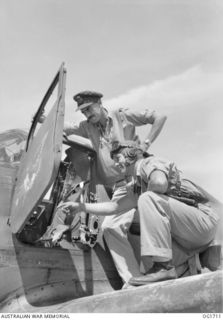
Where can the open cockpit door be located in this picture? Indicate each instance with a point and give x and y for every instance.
(41, 159)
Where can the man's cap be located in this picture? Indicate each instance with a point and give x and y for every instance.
(129, 147)
(86, 98)
(119, 145)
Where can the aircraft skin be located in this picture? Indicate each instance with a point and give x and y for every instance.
(73, 277)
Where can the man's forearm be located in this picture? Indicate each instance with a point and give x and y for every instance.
(156, 127)
(100, 209)
(70, 129)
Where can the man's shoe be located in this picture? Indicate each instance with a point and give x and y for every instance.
(211, 257)
(159, 272)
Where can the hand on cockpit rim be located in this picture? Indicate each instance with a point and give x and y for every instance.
(57, 233)
(65, 135)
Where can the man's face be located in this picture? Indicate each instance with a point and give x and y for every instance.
(120, 162)
(93, 112)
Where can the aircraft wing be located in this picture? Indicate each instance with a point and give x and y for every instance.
(200, 293)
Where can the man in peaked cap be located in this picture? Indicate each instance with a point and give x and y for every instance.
(102, 127)
(86, 98)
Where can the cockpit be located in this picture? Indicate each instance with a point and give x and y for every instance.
(54, 168)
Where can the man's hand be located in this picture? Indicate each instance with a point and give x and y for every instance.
(130, 185)
(71, 206)
(146, 145)
(57, 233)
(64, 135)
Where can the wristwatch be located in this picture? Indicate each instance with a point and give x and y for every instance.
(148, 142)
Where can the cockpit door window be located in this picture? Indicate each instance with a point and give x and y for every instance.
(41, 160)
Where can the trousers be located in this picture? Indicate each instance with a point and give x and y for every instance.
(115, 230)
(162, 219)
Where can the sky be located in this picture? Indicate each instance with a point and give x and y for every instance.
(164, 55)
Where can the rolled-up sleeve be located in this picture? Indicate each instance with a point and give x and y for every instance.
(138, 118)
(155, 164)
(167, 167)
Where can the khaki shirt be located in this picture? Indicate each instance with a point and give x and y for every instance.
(121, 125)
(144, 168)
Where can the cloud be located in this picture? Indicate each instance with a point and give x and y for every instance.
(185, 89)
(191, 137)
(208, 172)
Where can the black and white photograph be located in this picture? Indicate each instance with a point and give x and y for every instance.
(111, 176)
